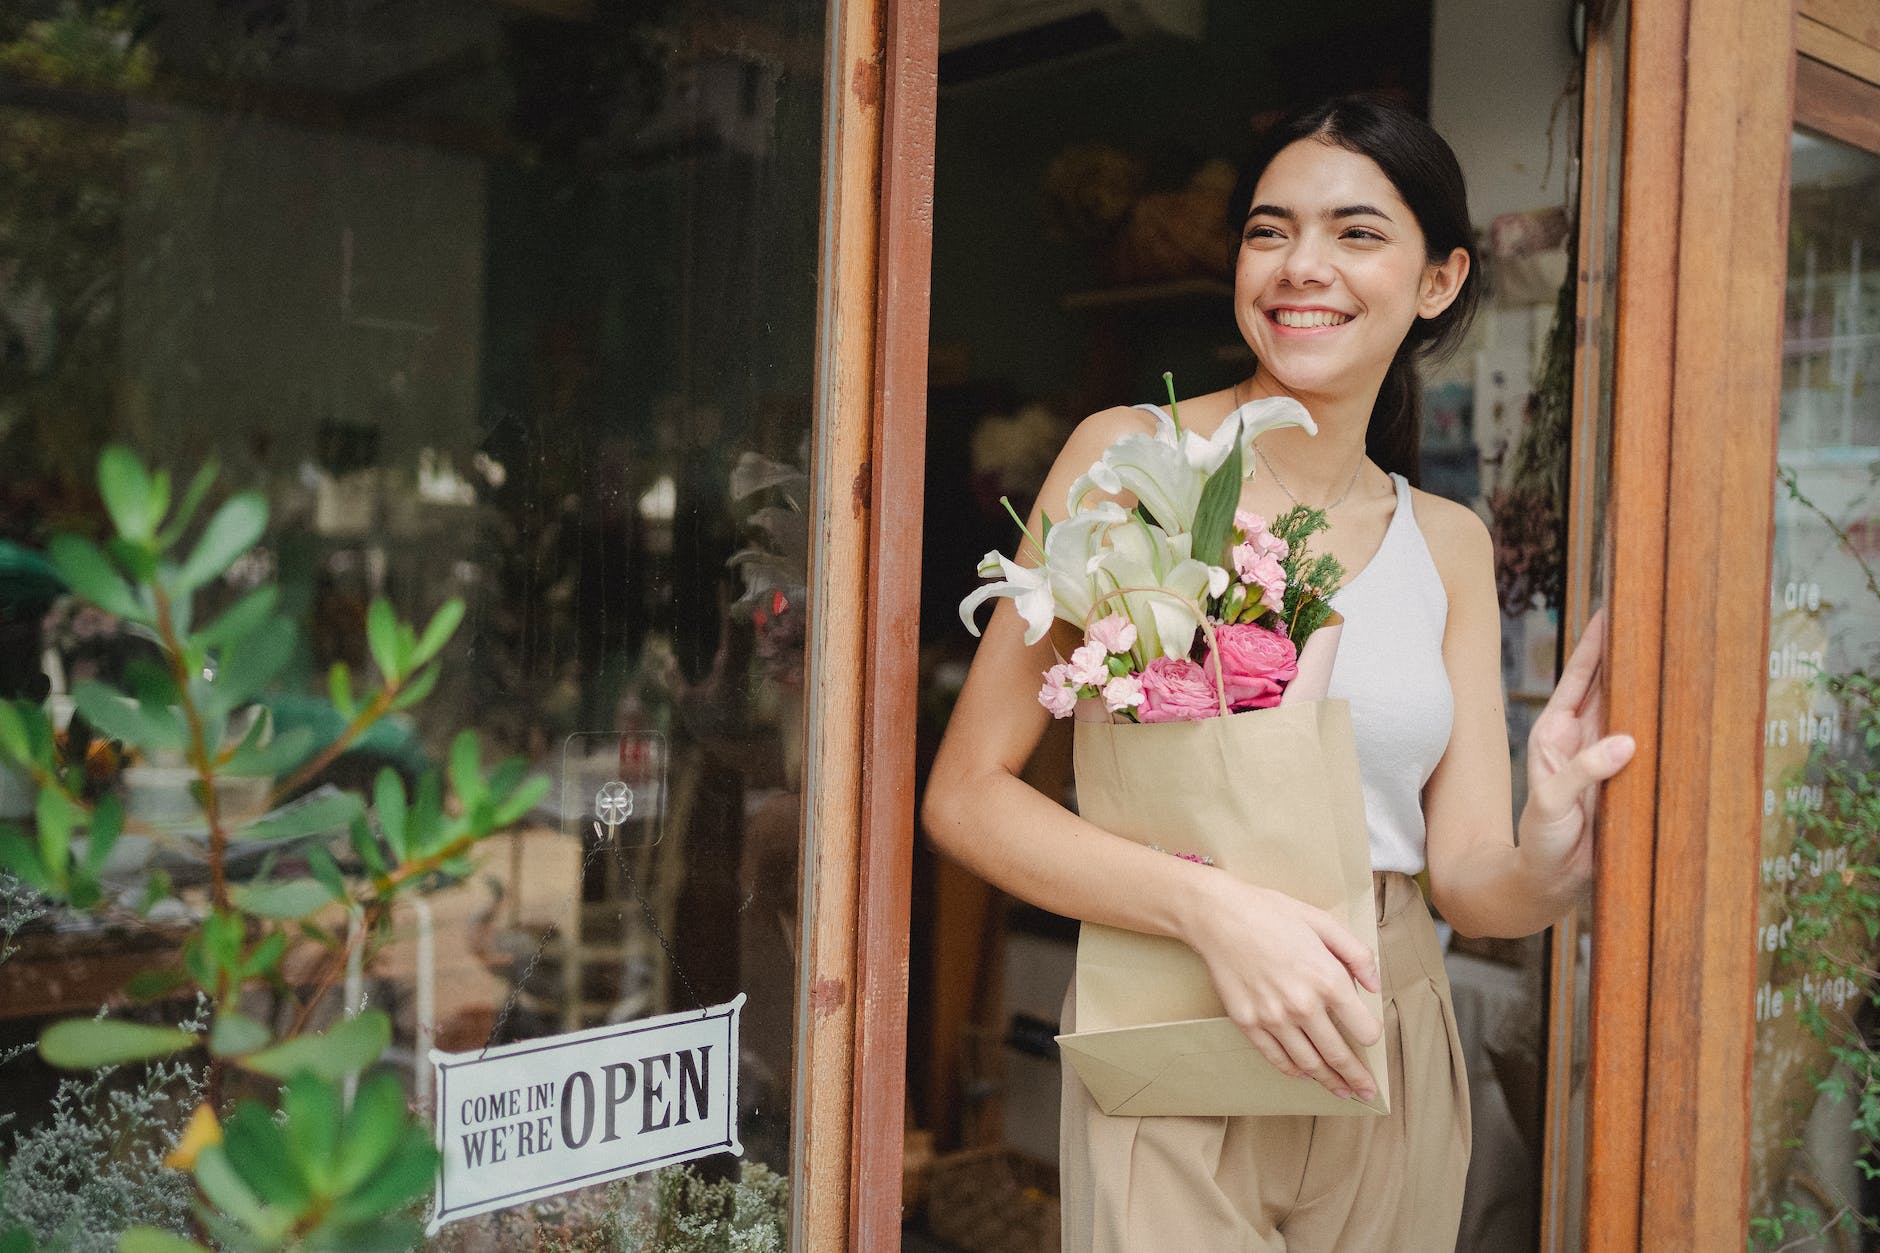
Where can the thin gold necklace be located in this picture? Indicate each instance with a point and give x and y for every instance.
(1267, 462)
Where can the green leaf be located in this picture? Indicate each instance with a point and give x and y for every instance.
(313, 1114)
(87, 1043)
(135, 560)
(155, 1240)
(128, 493)
(424, 825)
(1214, 516)
(13, 741)
(339, 689)
(186, 510)
(266, 957)
(19, 858)
(366, 846)
(283, 898)
(223, 931)
(155, 728)
(91, 577)
(520, 802)
(241, 619)
(234, 1034)
(378, 1117)
(388, 801)
(406, 1175)
(85, 889)
(259, 1153)
(325, 870)
(18, 1240)
(382, 638)
(227, 1191)
(312, 815)
(235, 528)
(56, 814)
(417, 689)
(107, 823)
(443, 625)
(149, 985)
(345, 1050)
(251, 665)
(466, 768)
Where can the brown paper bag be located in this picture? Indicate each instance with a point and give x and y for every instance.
(1273, 796)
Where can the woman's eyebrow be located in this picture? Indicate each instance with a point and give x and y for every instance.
(1343, 211)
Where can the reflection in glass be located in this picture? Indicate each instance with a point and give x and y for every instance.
(506, 300)
(1813, 1133)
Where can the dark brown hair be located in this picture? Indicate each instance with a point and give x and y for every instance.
(1423, 169)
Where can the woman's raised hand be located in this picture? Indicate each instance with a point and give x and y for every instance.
(1283, 971)
(1569, 756)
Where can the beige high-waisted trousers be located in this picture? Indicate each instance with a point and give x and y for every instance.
(1308, 1185)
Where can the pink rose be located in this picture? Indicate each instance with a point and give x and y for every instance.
(1122, 692)
(1056, 695)
(1175, 689)
(1255, 663)
(1115, 634)
(1088, 667)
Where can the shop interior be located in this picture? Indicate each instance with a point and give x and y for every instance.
(1081, 249)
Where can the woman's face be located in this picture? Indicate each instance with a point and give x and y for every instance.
(1333, 271)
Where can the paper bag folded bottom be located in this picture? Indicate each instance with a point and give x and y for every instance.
(1202, 1067)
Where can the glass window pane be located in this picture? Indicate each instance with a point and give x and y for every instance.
(1815, 952)
(507, 302)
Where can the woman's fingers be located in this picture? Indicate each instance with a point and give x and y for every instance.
(1347, 1073)
(1562, 791)
(1582, 667)
(1269, 1048)
(1355, 957)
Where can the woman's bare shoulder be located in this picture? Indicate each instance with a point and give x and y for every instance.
(1106, 426)
(1457, 538)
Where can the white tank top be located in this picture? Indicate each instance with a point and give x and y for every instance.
(1390, 667)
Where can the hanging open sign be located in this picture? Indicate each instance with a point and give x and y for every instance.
(534, 1119)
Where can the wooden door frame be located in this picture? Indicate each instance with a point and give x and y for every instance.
(881, 76)
(1702, 270)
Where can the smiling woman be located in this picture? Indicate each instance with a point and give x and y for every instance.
(1356, 260)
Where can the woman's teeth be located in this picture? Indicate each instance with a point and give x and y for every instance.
(1301, 319)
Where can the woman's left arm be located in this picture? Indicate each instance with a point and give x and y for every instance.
(1485, 877)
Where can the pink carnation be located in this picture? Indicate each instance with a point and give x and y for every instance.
(1122, 692)
(1087, 667)
(1175, 689)
(1115, 634)
(1056, 695)
(1253, 531)
(1256, 662)
(1261, 571)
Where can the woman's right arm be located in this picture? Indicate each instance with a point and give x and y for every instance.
(1283, 969)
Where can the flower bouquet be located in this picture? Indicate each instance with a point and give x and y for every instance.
(1203, 731)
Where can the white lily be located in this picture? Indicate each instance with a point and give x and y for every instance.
(1167, 470)
(1168, 586)
(1064, 586)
